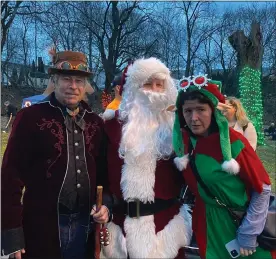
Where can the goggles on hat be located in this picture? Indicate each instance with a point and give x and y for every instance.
(67, 66)
(199, 81)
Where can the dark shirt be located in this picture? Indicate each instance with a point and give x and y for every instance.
(11, 110)
(271, 129)
(75, 189)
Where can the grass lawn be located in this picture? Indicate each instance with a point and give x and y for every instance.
(267, 154)
(4, 141)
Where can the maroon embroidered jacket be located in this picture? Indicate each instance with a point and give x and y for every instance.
(36, 157)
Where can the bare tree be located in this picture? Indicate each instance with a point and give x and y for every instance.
(113, 24)
(198, 28)
(8, 12)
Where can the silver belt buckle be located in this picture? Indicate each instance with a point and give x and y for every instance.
(137, 208)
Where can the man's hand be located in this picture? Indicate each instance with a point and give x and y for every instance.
(101, 215)
(245, 252)
(17, 255)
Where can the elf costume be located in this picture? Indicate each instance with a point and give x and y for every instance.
(228, 166)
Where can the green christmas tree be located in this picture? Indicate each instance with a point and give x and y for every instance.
(251, 98)
(249, 59)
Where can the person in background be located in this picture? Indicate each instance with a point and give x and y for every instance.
(114, 105)
(237, 119)
(116, 87)
(11, 112)
(56, 150)
(28, 101)
(208, 149)
(271, 129)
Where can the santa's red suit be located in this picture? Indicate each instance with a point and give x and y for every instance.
(158, 235)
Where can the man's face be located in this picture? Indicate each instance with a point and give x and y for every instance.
(197, 116)
(70, 90)
(154, 85)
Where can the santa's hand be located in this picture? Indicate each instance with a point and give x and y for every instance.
(101, 215)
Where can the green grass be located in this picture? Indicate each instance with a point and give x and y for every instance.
(266, 153)
(4, 141)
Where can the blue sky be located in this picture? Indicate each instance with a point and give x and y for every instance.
(236, 4)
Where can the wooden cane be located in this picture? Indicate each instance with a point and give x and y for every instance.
(99, 201)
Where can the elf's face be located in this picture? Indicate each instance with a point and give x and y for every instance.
(197, 116)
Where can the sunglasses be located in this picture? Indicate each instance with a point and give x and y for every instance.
(66, 65)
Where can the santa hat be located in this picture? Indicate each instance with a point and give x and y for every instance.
(211, 90)
(123, 77)
(141, 70)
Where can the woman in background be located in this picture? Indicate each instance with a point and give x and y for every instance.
(238, 120)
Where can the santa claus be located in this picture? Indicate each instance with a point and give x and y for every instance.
(148, 222)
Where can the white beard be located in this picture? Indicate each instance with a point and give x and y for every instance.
(146, 138)
(148, 130)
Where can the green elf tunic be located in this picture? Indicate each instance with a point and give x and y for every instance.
(213, 225)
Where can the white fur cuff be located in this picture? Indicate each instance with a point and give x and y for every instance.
(181, 162)
(231, 166)
(108, 114)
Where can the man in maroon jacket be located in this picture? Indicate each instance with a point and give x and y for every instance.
(55, 151)
(148, 221)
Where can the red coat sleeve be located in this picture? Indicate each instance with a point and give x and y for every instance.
(15, 162)
(252, 171)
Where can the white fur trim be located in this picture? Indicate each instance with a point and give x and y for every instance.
(138, 178)
(108, 114)
(231, 166)
(181, 162)
(142, 69)
(142, 242)
(137, 182)
(117, 243)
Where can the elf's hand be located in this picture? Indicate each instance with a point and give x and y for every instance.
(246, 252)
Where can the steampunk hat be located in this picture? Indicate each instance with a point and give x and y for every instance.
(69, 62)
(124, 76)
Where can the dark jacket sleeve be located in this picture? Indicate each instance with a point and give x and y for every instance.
(102, 171)
(15, 163)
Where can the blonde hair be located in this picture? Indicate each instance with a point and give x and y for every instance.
(240, 114)
(50, 87)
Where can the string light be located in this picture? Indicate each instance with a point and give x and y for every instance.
(106, 99)
(251, 97)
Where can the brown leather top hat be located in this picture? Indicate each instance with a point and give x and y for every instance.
(69, 62)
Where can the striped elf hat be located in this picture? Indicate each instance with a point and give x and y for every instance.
(211, 90)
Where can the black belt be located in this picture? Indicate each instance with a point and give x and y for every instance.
(136, 209)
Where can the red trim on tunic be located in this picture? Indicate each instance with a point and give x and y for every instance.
(252, 171)
(210, 147)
